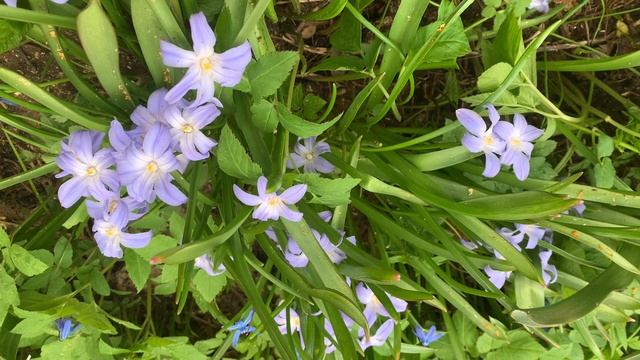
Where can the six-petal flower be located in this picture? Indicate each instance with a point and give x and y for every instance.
(272, 206)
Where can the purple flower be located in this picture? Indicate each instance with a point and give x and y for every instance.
(468, 244)
(333, 252)
(110, 235)
(512, 236)
(117, 207)
(497, 277)
(206, 67)
(429, 337)
(146, 171)
(307, 154)
(534, 234)
(539, 5)
(294, 255)
(380, 337)
(144, 117)
(66, 328)
(294, 321)
(549, 272)
(240, 328)
(89, 167)
(480, 139)
(580, 208)
(186, 126)
(373, 306)
(271, 205)
(205, 263)
(518, 137)
(14, 3)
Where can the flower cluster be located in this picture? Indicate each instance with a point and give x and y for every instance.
(534, 234)
(502, 142)
(167, 134)
(374, 310)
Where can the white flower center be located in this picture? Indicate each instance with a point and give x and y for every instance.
(309, 156)
(111, 231)
(274, 201)
(516, 143)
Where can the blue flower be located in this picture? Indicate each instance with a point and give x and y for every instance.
(480, 139)
(307, 154)
(206, 67)
(185, 127)
(241, 327)
(539, 5)
(272, 206)
(66, 328)
(518, 137)
(429, 337)
(549, 272)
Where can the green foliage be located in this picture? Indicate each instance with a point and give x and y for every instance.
(12, 33)
(233, 159)
(268, 73)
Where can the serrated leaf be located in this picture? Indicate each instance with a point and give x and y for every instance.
(331, 192)
(137, 267)
(264, 116)
(209, 286)
(451, 44)
(11, 34)
(26, 262)
(303, 128)
(269, 72)
(233, 158)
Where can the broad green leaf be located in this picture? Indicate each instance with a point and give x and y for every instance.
(5, 241)
(329, 11)
(33, 324)
(340, 62)
(264, 116)
(233, 159)
(209, 286)
(9, 293)
(99, 283)
(76, 347)
(80, 215)
(158, 244)
(451, 44)
(508, 41)
(25, 262)
(269, 72)
(107, 349)
(11, 34)
(89, 315)
(137, 267)
(529, 293)
(521, 345)
(303, 128)
(604, 173)
(100, 43)
(605, 146)
(149, 32)
(467, 331)
(491, 78)
(331, 192)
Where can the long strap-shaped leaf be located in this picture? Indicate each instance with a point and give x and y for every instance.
(99, 41)
(33, 91)
(585, 300)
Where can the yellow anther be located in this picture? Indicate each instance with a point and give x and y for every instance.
(206, 64)
(91, 171)
(309, 156)
(187, 129)
(111, 232)
(152, 167)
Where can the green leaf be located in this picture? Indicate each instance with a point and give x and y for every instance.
(11, 34)
(605, 146)
(99, 283)
(209, 286)
(441, 159)
(76, 347)
(508, 42)
(137, 267)
(80, 215)
(604, 173)
(544, 148)
(233, 158)
(264, 116)
(9, 293)
(269, 72)
(331, 10)
(303, 128)
(158, 244)
(100, 43)
(521, 346)
(491, 78)
(451, 44)
(467, 331)
(5, 241)
(149, 32)
(331, 192)
(25, 262)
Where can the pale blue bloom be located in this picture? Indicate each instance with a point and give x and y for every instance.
(146, 171)
(539, 5)
(14, 3)
(380, 337)
(240, 328)
(549, 272)
(205, 263)
(479, 138)
(518, 137)
(66, 328)
(185, 128)
(116, 206)
(272, 206)
(426, 338)
(373, 306)
(89, 166)
(110, 235)
(293, 324)
(307, 154)
(497, 277)
(534, 234)
(205, 66)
